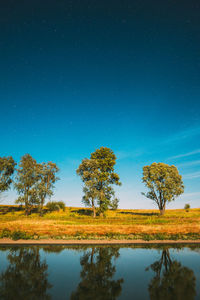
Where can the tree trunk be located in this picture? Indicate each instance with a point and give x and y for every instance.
(162, 211)
(41, 207)
(26, 206)
(41, 211)
(94, 211)
(27, 210)
(26, 202)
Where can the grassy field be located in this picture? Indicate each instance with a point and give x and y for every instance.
(78, 223)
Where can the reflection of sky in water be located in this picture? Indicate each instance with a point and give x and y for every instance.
(64, 268)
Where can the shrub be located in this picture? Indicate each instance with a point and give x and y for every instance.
(187, 207)
(55, 205)
(5, 233)
(114, 204)
(17, 235)
(62, 205)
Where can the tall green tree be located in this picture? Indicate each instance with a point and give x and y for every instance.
(7, 168)
(88, 170)
(45, 182)
(98, 176)
(25, 182)
(164, 183)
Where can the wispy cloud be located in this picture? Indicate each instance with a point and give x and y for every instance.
(192, 175)
(128, 154)
(190, 163)
(183, 135)
(185, 154)
(189, 196)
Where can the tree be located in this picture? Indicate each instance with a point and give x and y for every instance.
(26, 276)
(88, 170)
(7, 168)
(97, 274)
(55, 205)
(98, 176)
(164, 183)
(187, 207)
(171, 280)
(89, 197)
(114, 204)
(27, 176)
(46, 179)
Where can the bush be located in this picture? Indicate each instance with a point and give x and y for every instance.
(5, 233)
(114, 204)
(20, 235)
(15, 235)
(62, 205)
(187, 207)
(55, 205)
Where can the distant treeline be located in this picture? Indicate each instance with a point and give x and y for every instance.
(35, 182)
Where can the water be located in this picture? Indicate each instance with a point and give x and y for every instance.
(99, 272)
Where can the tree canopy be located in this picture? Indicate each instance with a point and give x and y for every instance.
(25, 182)
(34, 182)
(164, 183)
(45, 182)
(7, 168)
(98, 176)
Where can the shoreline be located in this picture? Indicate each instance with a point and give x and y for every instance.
(6, 241)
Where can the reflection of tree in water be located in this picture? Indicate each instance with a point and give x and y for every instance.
(26, 276)
(96, 276)
(172, 281)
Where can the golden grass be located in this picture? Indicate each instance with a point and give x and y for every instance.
(80, 221)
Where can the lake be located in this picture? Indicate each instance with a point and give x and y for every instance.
(100, 272)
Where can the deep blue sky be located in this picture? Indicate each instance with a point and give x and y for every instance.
(77, 75)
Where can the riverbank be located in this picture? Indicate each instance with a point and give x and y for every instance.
(94, 242)
(78, 224)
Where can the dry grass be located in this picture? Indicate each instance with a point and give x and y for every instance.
(79, 222)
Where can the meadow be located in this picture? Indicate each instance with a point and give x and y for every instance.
(78, 223)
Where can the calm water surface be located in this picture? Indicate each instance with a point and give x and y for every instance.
(99, 272)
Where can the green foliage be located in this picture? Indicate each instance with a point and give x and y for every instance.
(61, 204)
(5, 233)
(187, 207)
(20, 235)
(15, 235)
(114, 204)
(45, 182)
(55, 205)
(34, 182)
(26, 179)
(7, 168)
(98, 176)
(164, 183)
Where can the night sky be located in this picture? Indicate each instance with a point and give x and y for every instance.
(77, 75)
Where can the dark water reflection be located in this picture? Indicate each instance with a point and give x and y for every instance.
(99, 272)
(97, 275)
(171, 280)
(26, 276)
